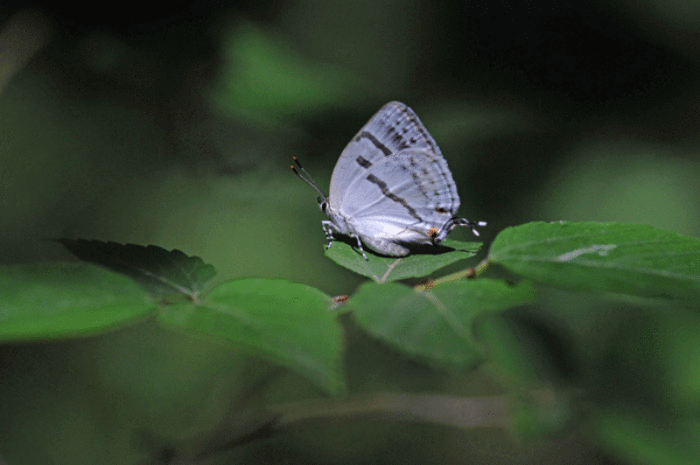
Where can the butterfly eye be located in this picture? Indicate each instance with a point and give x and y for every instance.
(323, 205)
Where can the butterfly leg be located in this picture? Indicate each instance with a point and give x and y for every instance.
(328, 228)
(359, 246)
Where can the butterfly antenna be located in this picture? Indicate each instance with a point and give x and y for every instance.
(306, 177)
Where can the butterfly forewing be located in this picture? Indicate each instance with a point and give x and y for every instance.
(392, 129)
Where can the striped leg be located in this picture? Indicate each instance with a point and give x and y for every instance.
(328, 228)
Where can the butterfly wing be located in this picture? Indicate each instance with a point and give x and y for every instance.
(406, 197)
(394, 128)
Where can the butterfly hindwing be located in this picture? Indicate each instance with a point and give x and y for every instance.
(405, 195)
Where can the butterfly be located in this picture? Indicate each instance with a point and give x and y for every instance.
(391, 189)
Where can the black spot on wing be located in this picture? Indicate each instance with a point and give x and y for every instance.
(363, 162)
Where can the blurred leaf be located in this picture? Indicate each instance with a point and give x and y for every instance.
(626, 182)
(52, 300)
(385, 269)
(647, 440)
(653, 360)
(288, 323)
(163, 273)
(517, 361)
(435, 324)
(264, 75)
(622, 258)
(542, 413)
(680, 351)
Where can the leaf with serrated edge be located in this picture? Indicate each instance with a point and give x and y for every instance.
(385, 269)
(435, 324)
(628, 259)
(162, 272)
(287, 323)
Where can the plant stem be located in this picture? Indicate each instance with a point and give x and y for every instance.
(270, 421)
(470, 273)
(461, 412)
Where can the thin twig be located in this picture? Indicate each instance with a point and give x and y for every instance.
(461, 412)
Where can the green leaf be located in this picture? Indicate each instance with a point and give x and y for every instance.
(520, 356)
(53, 300)
(647, 440)
(288, 323)
(163, 273)
(629, 259)
(435, 324)
(386, 269)
(542, 413)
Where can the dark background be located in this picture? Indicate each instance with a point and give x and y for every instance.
(175, 124)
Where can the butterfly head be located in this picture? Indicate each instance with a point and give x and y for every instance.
(322, 204)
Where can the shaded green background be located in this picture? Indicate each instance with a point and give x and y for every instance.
(177, 128)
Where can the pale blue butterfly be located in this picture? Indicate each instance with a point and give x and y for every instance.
(391, 188)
